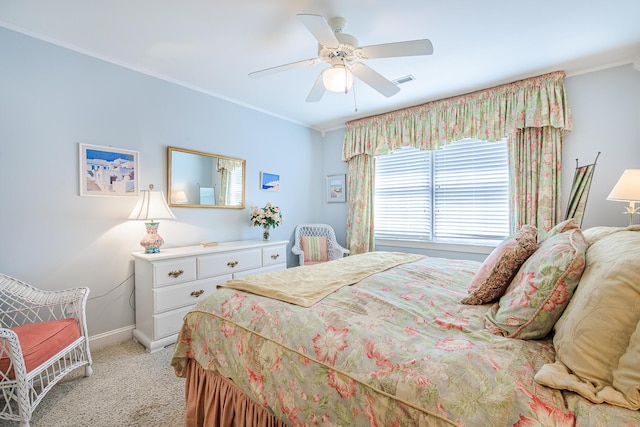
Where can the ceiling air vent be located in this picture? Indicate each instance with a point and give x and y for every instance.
(403, 80)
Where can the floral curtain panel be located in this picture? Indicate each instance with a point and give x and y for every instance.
(360, 185)
(491, 114)
(226, 167)
(535, 163)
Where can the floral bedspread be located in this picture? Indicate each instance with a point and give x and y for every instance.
(396, 349)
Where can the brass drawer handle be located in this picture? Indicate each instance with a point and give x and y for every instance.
(232, 263)
(176, 273)
(275, 256)
(196, 294)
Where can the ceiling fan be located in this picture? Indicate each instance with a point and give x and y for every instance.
(339, 50)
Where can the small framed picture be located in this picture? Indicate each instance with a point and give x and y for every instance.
(269, 181)
(108, 171)
(336, 188)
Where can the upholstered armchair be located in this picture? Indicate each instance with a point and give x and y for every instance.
(43, 337)
(316, 243)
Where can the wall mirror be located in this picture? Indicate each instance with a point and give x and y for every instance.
(204, 180)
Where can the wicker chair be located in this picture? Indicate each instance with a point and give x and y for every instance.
(334, 250)
(43, 338)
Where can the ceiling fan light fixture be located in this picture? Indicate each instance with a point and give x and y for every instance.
(338, 78)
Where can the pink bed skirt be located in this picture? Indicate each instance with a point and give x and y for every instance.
(213, 400)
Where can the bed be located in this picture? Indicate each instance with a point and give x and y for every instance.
(398, 347)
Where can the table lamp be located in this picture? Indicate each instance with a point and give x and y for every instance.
(627, 189)
(151, 206)
(180, 197)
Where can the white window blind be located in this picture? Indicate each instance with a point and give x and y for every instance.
(403, 195)
(471, 191)
(457, 194)
(235, 187)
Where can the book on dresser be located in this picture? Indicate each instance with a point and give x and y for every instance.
(169, 283)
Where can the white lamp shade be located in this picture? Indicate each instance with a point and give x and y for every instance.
(337, 78)
(627, 189)
(151, 205)
(180, 197)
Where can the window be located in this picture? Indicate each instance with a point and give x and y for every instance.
(235, 186)
(459, 193)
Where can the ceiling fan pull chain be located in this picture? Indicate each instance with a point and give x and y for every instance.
(355, 103)
(346, 77)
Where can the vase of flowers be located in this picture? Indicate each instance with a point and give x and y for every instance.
(267, 217)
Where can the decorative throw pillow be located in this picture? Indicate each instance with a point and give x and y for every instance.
(315, 248)
(541, 289)
(597, 339)
(593, 234)
(496, 272)
(562, 227)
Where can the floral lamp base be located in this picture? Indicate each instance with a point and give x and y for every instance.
(152, 241)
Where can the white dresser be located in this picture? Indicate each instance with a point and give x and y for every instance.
(169, 283)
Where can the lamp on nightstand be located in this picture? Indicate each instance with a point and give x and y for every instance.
(150, 207)
(627, 189)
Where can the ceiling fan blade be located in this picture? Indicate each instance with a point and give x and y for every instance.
(374, 79)
(390, 50)
(317, 90)
(320, 29)
(285, 67)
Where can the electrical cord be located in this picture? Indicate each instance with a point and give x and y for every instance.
(116, 287)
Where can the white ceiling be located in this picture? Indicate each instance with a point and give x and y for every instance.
(212, 45)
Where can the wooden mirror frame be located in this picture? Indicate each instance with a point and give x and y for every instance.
(195, 176)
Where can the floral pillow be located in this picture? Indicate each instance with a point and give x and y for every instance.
(542, 288)
(562, 227)
(497, 271)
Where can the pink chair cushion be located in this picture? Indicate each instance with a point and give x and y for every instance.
(315, 248)
(42, 340)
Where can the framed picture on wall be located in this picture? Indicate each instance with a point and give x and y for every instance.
(269, 181)
(336, 188)
(108, 171)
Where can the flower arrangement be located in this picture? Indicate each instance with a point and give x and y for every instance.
(267, 217)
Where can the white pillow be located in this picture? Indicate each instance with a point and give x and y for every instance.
(597, 344)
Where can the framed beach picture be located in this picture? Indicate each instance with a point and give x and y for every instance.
(108, 171)
(336, 188)
(269, 181)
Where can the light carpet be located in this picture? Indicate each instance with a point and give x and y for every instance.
(129, 387)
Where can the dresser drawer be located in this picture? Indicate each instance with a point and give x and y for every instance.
(185, 294)
(274, 255)
(228, 262)
(169, 323)
(174, 271)
(273, 267)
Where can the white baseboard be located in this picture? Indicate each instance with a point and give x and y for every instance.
(111, 337)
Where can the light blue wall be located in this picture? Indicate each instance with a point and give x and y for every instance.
(52, 98)
(606, 118)
(334, 214)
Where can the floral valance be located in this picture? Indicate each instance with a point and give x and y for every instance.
(489, 115)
